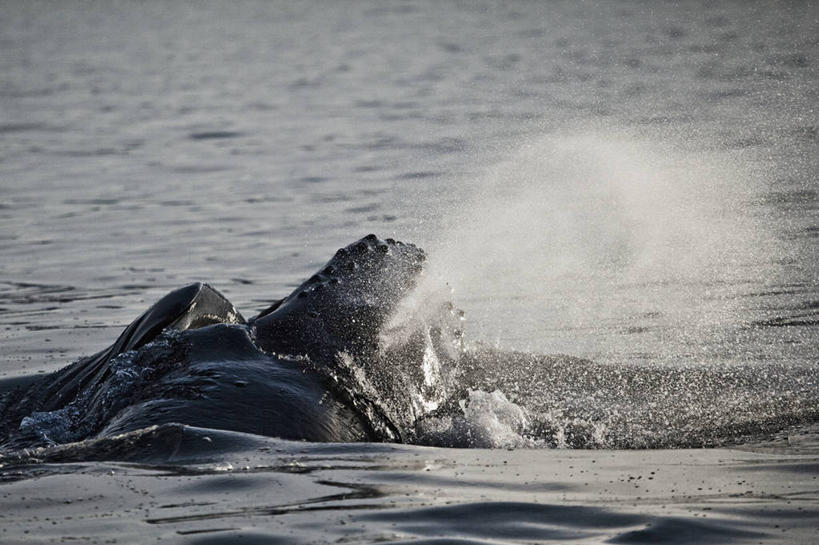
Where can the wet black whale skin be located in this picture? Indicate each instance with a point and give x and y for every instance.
(263, 375)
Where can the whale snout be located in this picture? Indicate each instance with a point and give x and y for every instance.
(370, 254)
(378, 271)
(372, 245)
(368, 272)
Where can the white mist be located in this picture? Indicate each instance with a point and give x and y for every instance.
(604, 244)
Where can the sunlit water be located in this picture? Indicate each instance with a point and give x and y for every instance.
(630, 184)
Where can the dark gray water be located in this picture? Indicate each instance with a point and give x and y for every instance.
(631, 183)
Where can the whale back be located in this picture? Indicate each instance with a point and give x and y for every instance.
(190, 307)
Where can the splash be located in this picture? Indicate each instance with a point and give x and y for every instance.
(483, 420)
(626, 252)
(577, 237)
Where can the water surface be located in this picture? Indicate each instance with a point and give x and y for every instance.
(630, 183)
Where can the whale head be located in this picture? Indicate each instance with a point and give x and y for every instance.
(344, 306)
(341, 320)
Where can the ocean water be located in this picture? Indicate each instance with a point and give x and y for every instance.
(630, 183)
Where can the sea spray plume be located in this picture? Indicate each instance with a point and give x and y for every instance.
(575, 237)
(635, 254)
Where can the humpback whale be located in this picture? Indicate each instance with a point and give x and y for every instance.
(314, 365)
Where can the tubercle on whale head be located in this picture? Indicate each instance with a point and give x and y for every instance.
(372, 270)
(346, 301)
